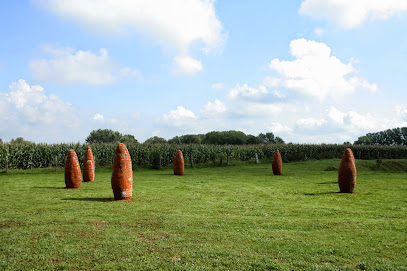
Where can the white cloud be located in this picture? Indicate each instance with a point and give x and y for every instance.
(217, 86)
(215, 108)
(316, 73)
(187, 65)
(69, 66)
(335, 115)
(357, 124)
(179, 117)
(278, 94)
(175, 24)
(349, 14)
(319, 31)
(310, 123)
(278, 128)
(246, 91)
(29, 112)
(98, 116)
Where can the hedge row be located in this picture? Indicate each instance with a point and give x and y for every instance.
(25, 156)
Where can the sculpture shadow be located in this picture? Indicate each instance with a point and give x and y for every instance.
(49, 187)
(91, 199)
(332, 182)
(320, 193)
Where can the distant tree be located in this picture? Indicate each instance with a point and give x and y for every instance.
(227, 137)
(127, 139)
(155, 140)
(267, 138)
(396, 136)
(185, 139)
(103, 136)
(251, 139)
(1, 141)
(19, 140)
(190, 139)
(364, 140)
(175, 140)
(278, 140)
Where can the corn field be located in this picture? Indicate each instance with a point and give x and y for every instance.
(27, 156)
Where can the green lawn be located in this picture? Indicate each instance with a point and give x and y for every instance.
(236, 217)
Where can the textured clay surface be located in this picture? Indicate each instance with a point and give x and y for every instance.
(277, 164)
(73, 176)
(178, 163)
(88, 166)
(122, 176)
(347, 172)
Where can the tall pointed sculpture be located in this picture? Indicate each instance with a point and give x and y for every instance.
(347, 172)
(178, 163)
(122, 176)
(88, 166)
(73, 176)
(277, 164)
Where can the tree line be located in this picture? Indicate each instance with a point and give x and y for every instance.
(213, 138)
(390, 137)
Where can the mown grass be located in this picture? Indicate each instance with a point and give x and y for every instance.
(213, 218)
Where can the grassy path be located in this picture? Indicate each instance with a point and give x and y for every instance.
(237, 217)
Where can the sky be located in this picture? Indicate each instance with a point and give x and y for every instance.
(309, 71)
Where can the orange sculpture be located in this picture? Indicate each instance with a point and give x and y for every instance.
(347, 172)
(178, 163)
(88, 166)
(122, 176)
(277, 164)
(73, 176)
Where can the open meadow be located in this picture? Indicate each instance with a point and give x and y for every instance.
(237, 217)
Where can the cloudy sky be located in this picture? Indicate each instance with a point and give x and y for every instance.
(310, 71)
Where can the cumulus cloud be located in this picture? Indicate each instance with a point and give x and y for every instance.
(310, 123)
(278, 128)
(246, 91)
(179, 117)
(316, 73)
(28, 111)
(217, 86)
(70, 66)
(98, 116)
(335, 115)
(187, 65)
(351, 14)
(176, 24)
(215, 108)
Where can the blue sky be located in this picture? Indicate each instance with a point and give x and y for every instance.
(310, 71)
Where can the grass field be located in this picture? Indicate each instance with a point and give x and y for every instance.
(238, 217)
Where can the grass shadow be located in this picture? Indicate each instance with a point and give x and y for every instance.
(320, 193)
(91, 199)
(48, 187)
(333, 182)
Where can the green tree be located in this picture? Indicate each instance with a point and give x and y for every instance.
(278, 140)
(104, 136)
(251, 139)
(127, 139)
(155, 140)
(1, 141)
(390, 137)
(190, 139)
(267, 138)
(19, 140)
(175, 140)
(227, 137)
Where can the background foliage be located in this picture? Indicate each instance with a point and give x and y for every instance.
(390, 137)
(30, 155)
